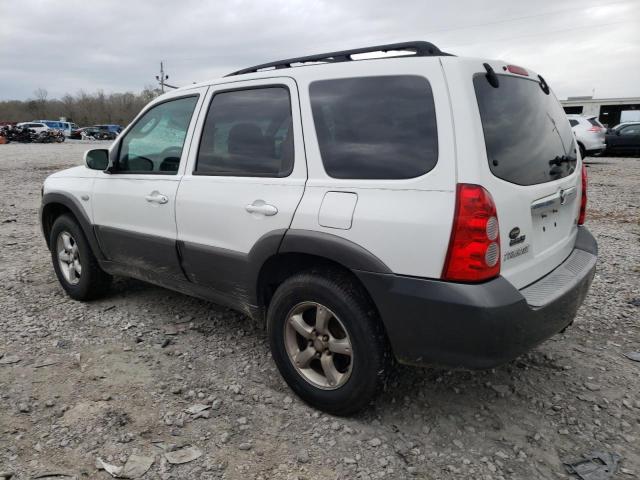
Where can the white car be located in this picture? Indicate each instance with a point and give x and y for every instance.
(362, 209)
(35, 126)
(590, 134)
(64, 127)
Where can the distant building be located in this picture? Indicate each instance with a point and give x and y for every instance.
(610, 111)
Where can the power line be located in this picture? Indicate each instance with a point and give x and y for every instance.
(162, 78)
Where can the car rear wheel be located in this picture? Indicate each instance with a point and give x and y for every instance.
(75, 265)
(327, 341)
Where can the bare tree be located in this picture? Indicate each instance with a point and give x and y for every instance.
(82, 108)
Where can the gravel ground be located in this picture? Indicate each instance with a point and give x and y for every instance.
(122, 378)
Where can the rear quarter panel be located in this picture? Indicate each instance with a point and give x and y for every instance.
(404, 223)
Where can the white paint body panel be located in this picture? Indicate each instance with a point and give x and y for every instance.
(75, 181)
(513, 202)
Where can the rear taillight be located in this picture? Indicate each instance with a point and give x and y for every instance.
(474, 247)
(595, 129)
(583, 198)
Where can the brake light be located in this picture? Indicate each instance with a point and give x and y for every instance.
(583, 198)
(595, 129)
(474, 247)
(517, 70)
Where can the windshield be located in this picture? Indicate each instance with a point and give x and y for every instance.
(527, 135)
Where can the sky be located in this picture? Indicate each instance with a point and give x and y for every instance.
(64, 46)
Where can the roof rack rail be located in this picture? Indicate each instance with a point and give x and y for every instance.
(419, 49)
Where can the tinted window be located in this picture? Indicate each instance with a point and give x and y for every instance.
(527, 136)
(375, 127)
(630, 130)
(248, 133)
(154, 144)
(573, 123)
(594, 122)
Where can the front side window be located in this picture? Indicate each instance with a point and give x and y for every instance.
(631, 130)
(375, 127)
(526, 133)
(248, 133)
(154, 144)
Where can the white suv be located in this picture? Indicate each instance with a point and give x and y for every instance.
(37, 127)
(590, 134)
(366, 210)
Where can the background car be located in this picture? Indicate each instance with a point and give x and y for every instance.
(95, 132)
(35, 126)
(64, 127)
(624, 138)
(589, 133)
(111, 128)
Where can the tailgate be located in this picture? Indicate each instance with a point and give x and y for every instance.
(526, 158)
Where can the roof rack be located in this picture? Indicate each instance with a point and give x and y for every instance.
(419, 49)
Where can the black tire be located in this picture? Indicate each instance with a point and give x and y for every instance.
(93, 281)
(371, 358)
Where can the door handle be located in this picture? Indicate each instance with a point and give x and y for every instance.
(262, 208)
(156, 197)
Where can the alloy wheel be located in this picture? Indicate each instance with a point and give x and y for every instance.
(69, 258)
(318, 345)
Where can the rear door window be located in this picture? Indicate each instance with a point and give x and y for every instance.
(248, 133)
(527, 136)
(375, 127)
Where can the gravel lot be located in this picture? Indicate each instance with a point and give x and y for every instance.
(117, 377)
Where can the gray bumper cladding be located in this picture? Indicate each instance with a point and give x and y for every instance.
(480, 325)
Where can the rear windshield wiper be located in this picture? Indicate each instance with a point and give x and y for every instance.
(559, 160)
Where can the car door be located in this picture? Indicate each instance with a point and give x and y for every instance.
(243, 183)
(134, 203)
(628, 139)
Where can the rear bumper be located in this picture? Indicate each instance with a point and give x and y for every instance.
(481, 325)
(594, 145)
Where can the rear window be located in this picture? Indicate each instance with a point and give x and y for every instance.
(375, 127)
(527, 136)
(594, 121)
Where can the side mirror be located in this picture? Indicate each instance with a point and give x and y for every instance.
(97, 159)
(618, 132)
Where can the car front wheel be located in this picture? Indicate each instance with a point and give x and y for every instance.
(73, 261)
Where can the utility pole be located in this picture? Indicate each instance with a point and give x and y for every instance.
(162, 77)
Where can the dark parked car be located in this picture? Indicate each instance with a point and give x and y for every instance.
(111, 128)
(624, 139)
(95, 132)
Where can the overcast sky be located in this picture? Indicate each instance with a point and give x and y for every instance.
(67, 45)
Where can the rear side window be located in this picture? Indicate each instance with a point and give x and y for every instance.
(573, 123)
(375, 127)
(527, 136)
(248, 133)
